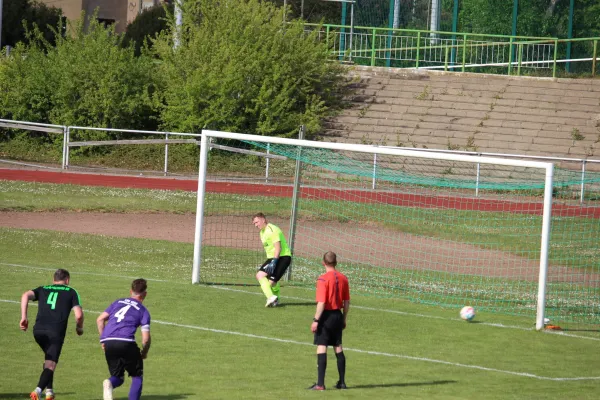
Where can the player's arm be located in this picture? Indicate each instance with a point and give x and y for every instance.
(346, 300)
(346, 309)
(146, 341)
(145, 328)
(28, 295)
(101, 322)
(318, 313)
(321, 297)
(277, 248)
(78, 311)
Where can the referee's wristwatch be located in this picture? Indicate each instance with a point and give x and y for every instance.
(315, 320)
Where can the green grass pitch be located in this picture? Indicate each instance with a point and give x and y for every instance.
(220, 342)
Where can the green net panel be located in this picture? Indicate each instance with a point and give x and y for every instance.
(432, 231)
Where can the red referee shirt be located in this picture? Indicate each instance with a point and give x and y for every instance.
(333, 289)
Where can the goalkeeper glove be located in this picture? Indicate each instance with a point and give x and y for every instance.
(270, 268)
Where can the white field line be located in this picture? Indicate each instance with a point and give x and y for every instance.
(370, 352)
(496, 325)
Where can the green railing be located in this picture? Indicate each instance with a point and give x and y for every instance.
(584, 55)
(452, 51)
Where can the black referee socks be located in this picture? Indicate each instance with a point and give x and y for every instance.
(321, 367)
(341, 364)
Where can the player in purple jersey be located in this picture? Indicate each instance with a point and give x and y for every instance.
(55, 303)
(117, 326)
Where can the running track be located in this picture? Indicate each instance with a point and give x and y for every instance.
(360, 196)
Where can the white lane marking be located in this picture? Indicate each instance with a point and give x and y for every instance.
(370, 352)
(496, 325)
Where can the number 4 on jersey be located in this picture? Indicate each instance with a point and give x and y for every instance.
(121, 313)
(52, 296)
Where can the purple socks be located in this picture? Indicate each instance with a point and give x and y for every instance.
(135, 392)
(116, 382)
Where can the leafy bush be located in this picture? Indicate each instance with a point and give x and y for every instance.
(87, 79)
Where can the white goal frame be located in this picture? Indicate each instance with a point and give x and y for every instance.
(546, 166)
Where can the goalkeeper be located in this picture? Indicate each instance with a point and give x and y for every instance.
(278, 260)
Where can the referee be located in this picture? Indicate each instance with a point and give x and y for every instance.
(333, 295)
(55, 303)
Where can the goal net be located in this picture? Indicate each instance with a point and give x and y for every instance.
(435, 228)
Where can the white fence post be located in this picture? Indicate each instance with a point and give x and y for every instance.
(68, 139)
(477, 181)
(267, 166)
(166, 154)
(64, 151)
(581, 196)
(374, 170)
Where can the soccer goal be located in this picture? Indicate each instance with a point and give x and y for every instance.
(437, 228)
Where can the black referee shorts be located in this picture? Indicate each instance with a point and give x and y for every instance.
(51, 342)
(282, 265)
(329, 330)
(123, 356)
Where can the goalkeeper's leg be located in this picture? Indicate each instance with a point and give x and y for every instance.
(265, 285)
(275, 288)
(282, 265)
(263, 280)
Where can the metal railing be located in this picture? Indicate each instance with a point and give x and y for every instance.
(166, 141)
(67, 144)
(35, 126)
(407, 48)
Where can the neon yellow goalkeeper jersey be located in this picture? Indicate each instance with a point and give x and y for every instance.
(269, 236)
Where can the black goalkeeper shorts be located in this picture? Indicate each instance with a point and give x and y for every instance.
(282, 265)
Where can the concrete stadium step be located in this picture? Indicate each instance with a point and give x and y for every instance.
(535, 116)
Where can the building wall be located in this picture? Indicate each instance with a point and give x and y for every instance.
(119, 12)
(70, 8)
(111, 11)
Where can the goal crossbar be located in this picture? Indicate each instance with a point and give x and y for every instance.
(378, 150)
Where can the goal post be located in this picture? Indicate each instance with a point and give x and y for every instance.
(423, 190)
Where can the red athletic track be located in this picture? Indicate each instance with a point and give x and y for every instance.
(361, 196)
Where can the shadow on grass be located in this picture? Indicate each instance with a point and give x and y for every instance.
(180, 396)
(401, 384)
(295, 304)
(228, 284)
(22, 395)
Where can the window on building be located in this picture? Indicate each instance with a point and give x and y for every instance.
(106, 21)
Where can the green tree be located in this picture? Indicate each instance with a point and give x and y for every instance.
(545, 18)
(87, 79)
(239, 69)
(542, 18)
(18, 16)
(314, 11)
(146, 26)
(586, 18)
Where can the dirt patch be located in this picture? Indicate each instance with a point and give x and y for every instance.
(353, 242)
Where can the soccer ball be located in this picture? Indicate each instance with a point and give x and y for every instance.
(467, 313)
